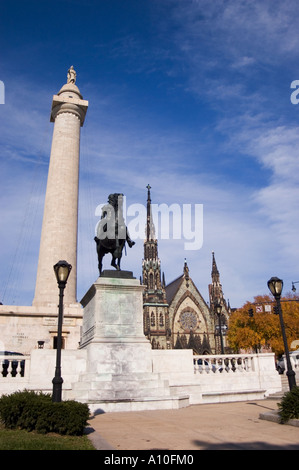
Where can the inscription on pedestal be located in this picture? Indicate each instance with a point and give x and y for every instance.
(113, 310)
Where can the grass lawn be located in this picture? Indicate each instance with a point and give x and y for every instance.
(23, 440)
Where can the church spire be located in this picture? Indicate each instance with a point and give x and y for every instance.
(215, 289)
(155, 306)
(150, 228)
(151, 263)
(215, 272)
(186, 273)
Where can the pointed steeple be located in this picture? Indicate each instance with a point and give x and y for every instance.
(150, 244)
(151, 266)
(215, 288)
(155, 306)
(186, 273)
(215, 272)
(217, 297)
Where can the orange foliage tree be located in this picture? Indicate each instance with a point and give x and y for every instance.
(262, 328)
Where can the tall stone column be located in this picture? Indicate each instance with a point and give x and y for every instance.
(60, 221)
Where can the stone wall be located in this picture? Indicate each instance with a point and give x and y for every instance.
(176, 379)
(22, 327)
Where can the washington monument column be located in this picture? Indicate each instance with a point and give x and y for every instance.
(60, 222)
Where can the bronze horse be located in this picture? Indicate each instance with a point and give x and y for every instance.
(112, 233)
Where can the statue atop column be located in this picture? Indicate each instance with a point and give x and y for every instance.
(71, 75)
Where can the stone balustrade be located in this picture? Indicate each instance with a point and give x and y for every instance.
(13, 366)
(197, 379)
(229, 363)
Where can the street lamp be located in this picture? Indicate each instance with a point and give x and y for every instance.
(293, 286)
(218, 310)
(275, 285)
(62, 271)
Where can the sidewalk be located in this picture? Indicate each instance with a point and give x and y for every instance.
(220, 426)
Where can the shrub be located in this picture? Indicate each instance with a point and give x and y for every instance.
(289, 405)
(66, 417)
(20, 409)
(36, 411)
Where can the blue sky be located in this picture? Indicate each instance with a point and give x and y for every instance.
(191, 96)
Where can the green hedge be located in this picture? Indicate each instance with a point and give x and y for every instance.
(36, 411)
(289, 405)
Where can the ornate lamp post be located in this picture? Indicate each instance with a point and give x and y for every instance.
(293, 286)
(275, 285)
(62, 271)
(218, 310)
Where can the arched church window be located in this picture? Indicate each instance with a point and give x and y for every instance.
(161, 319)
(153, 322)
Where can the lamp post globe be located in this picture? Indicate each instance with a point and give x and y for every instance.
(275, 286)
(62, 271)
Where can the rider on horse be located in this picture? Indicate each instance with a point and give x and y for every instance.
(112, 233)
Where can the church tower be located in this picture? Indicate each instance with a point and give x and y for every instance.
(215, 289)
(60, 221)
(156, 318)
(217, 297)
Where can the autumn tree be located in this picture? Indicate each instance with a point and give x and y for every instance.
(256, 325)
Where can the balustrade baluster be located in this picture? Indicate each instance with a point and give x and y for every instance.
(18, 369)
(9, 369)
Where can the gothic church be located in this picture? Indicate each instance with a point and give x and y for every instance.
(175, 315)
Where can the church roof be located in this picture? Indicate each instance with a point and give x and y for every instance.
(172, 288)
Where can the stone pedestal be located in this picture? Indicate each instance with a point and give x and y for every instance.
(112, 330)
(113, 310)
(118, 373)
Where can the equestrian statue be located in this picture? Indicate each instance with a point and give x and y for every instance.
(112, 233)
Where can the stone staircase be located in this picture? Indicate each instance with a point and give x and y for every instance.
(284, 383)
(134, 392)
(284, 386)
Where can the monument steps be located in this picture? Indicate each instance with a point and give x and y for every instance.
(137, 404)
(126, 394)
(96, 386)
(131, 377)
(122, 385)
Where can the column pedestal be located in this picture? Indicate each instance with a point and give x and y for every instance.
(112, 328)
(118, 375)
